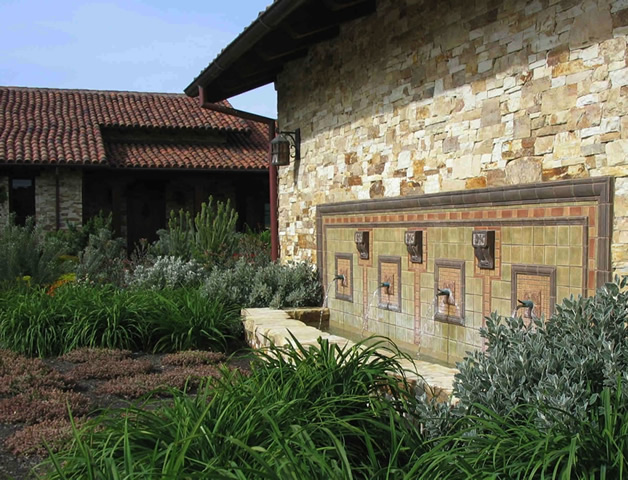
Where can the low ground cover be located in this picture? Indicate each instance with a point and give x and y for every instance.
(38, 394)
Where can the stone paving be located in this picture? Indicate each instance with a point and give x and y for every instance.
(263, 326)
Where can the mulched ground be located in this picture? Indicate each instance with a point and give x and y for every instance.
(34, 393)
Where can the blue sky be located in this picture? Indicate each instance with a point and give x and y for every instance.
(150, 45)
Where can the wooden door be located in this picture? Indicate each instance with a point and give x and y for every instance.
(146, 212)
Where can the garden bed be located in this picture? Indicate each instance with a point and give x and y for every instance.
(34, 393)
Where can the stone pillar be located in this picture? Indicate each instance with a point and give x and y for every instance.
(70, 202)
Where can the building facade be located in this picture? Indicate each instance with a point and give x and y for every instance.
(66, 155)
(458, 158)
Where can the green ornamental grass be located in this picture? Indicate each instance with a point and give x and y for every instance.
(35, 323)
(315, 412)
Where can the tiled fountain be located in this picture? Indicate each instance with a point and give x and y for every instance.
(425, 271)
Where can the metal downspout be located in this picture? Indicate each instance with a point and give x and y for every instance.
(57, 200)
(272, 170)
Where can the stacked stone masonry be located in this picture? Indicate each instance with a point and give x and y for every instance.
(428, 96)
(70, 188)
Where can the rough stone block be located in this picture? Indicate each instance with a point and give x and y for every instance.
(543, 145)
(617, 152)
(590, 27)
(561, 98)
(523, 170)
(568, 68)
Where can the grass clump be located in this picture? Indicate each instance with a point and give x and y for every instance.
(103, 316)
(192, 319)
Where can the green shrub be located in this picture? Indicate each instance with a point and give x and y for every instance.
(28, 251)
(321, 412)
(254, 247)
(77, 237)
(209, 238)
(194, 320)
(103, 259)
(271, 285)
(562, 364)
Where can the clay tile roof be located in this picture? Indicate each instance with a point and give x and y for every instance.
(41, 126)
(238, 152)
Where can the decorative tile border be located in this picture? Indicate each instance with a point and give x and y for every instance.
(389, 271)
(536, 283)
(344, 266)
(450, 274)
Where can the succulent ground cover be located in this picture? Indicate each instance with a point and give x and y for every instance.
(35, 394)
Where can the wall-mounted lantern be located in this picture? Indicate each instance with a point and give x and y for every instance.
(281, 146)
(414, 244)
(483, 242)
(362, 244)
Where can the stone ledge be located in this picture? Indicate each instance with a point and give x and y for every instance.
(265, 326)
(310, 315)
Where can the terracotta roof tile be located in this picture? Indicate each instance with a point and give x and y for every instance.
(57, 127)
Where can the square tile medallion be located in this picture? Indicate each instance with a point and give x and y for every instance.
(449, 277)
(389, 272)
(536, 284)
(344, 267)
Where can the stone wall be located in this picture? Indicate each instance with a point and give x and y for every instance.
(70, 196)
(432, 96)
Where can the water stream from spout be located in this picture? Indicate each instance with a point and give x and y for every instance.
(325, 301)
(434, 308)
(367, 314)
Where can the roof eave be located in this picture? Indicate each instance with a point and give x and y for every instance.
(281, 34)
(264, 23)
